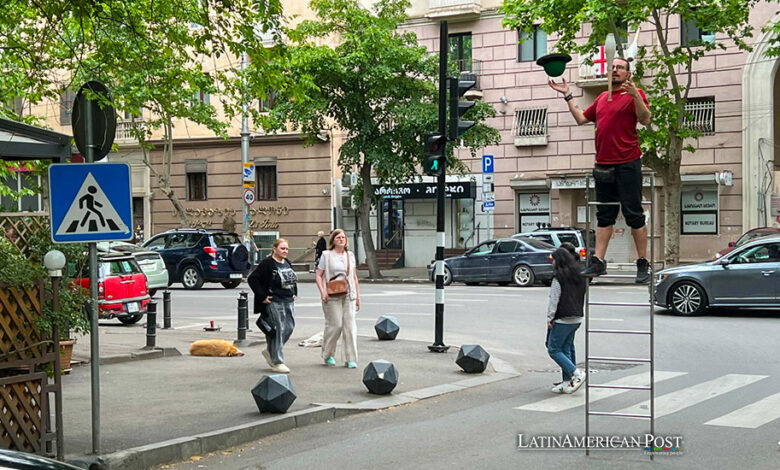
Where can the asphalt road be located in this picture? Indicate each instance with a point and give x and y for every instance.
(717, 383)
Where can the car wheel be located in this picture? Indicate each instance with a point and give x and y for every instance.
(191, 278)
(523, 276)
(447, 276)
(152, 292)
(687, 298)
(230, 284)
(131, 320)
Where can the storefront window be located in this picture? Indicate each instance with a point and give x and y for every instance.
(534, 211)
(699, 210)
(466, 234)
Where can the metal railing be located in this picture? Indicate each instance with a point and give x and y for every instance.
(700, 115)
(124, 128)
(530, 122)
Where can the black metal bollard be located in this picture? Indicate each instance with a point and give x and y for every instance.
(166, 309)
(151, 324)
(243, 316)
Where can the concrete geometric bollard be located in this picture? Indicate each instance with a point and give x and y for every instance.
(274, 393)
(472, 358)
(386, 327)
(380, 377)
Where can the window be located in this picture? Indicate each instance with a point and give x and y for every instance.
(202, 97)
(534, 211)
(692, 35)
(531, 46)
(460, 51)
(509, 247)
(568, 237)
(542, 238)
(266, 181)
(699, 210)
(267, 103)
(156, 243)
(66, 107)
(16, 182)
(530, 122)
(767, 253)
(483, 249)
(196, 180)
(700, 115)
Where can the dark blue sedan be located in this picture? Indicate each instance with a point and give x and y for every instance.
(519, 260)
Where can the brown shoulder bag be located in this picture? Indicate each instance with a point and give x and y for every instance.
(339, 287)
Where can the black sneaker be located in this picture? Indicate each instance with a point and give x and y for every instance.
(596, 267)
(642, 271)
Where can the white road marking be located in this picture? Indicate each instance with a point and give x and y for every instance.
(751, 416)
(690, 396)
(565, 402)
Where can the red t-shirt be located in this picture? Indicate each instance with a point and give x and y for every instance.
(616, 138)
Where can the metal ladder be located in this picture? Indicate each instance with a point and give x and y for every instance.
(601, 331)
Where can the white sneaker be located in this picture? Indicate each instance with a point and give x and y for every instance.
(267, 357)
(577, 379)
(558, 388)
(280, 368)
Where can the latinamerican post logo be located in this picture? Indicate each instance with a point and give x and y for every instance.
(647, 443)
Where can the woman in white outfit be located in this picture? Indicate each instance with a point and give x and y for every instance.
(338, 264)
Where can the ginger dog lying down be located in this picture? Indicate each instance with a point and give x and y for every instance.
(214, 347)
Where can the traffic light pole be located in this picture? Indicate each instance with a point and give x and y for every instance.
(438, 343)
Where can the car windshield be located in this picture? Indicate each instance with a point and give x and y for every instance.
(225, 239)
(482, 249)
(751, 236)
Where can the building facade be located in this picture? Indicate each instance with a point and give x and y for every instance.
(544, 156)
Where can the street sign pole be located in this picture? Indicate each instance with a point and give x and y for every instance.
(94, 332)
(244, 159)
(438, 343)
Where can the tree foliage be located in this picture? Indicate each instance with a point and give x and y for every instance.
(664, 66)
(355, 71)
(152, 55)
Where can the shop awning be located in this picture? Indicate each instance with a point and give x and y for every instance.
(20, 141)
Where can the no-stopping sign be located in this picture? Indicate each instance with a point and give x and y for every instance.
(249, 196)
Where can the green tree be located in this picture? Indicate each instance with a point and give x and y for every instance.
(152, 55)
(377, 85)
(665, 65)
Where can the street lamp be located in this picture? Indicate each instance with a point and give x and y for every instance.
(54, 261)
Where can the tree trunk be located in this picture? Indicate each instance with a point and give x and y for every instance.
(365, 222)
(672, 193)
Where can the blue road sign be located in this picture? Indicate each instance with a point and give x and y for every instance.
(487, 163)
(90, 202)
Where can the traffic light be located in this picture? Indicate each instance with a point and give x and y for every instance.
(435, 143)
(458, 108)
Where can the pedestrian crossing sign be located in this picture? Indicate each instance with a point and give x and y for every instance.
(90, 202)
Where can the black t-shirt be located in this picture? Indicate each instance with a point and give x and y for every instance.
(285, 282)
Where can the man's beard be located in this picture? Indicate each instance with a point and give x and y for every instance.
(616, 82)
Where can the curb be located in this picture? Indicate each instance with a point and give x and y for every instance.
(141, 355)
(181, 449)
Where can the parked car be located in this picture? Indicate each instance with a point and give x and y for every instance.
(747, 236)
(151, 263)
(15, 460)
(122, 292)
(748, 276)
(194, 256)
(519, 260)
(557, 235)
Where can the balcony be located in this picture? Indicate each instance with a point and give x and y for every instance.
(593, 75)
(123, 130)
(449, 9)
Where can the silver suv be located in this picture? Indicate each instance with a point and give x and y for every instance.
(557, 235)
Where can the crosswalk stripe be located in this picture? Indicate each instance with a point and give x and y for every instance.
(686, 397)
(753, 415)
(565, 402)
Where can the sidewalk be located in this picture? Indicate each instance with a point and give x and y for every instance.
(165, 405)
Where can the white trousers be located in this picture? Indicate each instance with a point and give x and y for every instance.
(340, 322)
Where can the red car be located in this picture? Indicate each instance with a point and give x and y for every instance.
(122, 291)
(748, 236)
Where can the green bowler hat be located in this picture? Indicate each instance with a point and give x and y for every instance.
(554, 64)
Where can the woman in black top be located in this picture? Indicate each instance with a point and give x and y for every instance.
(275, 287)
(564, 315)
